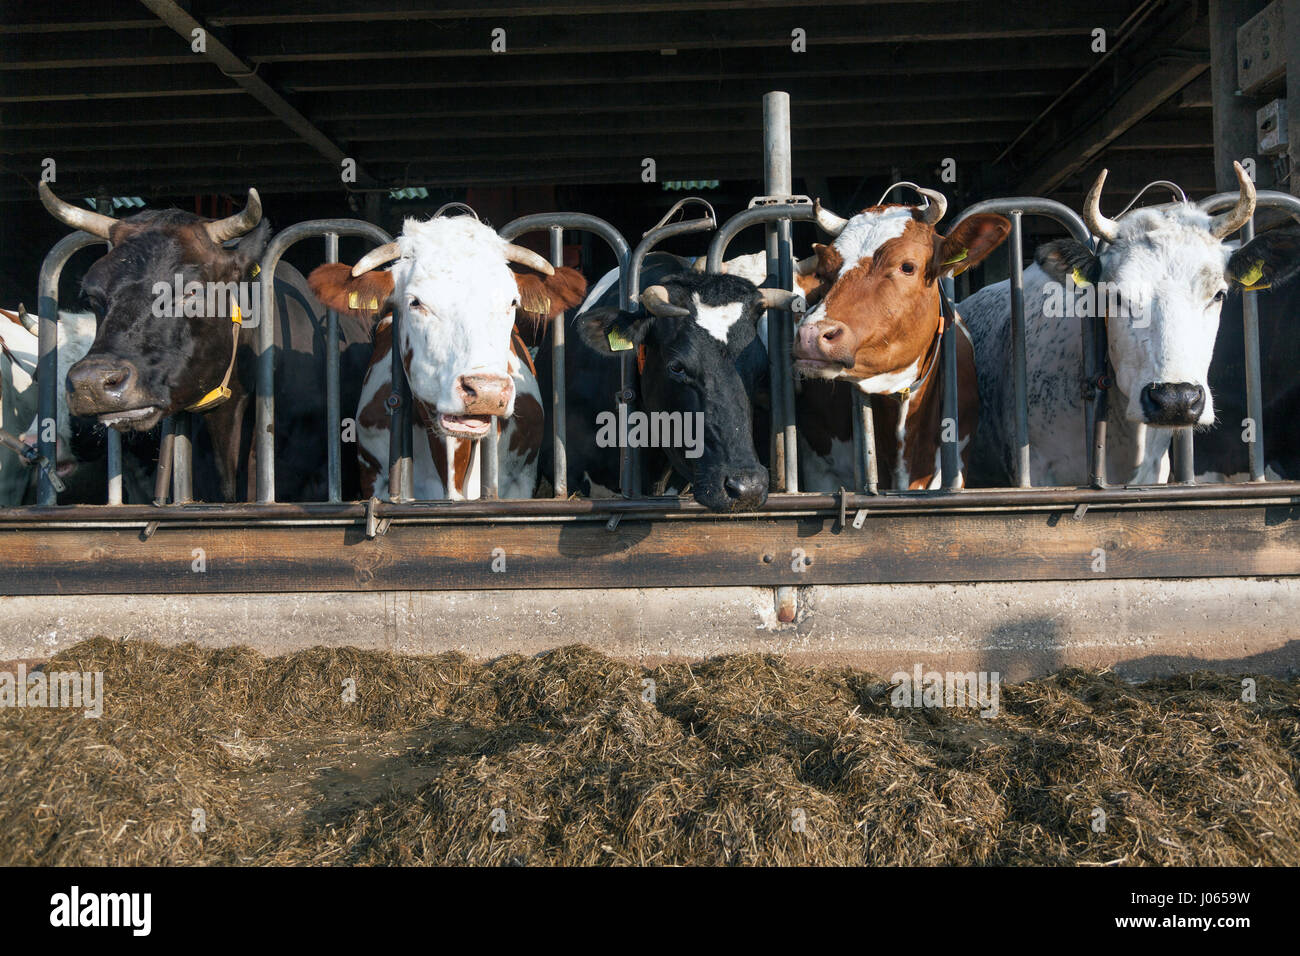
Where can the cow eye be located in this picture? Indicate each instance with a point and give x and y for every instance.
(908, 268)
(677, 367)
(415, 305)
(1220, 295)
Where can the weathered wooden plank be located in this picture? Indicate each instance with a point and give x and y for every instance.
(892, 548)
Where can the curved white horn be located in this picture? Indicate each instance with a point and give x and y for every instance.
(807, 267)
(1097, 224)
(778, 298)
(1225, 224)
(376, 257)
(831, 224)
(937, 207)
(97, 224)
(529, 259)
(244, 221)
(655, 300)
(28, 320)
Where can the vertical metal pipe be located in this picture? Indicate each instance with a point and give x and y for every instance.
(1181, 461)
(869, 438)
(163, 474)
(264, 400)
(559, 408)
(950, 458)
(182, 459)
(778, 181)
(113, 452)
(333, 412)
(1019, 370)
(1101, 399)
(1254, 386)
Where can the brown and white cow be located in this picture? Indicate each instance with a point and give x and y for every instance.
(457, 298)
(877, 327)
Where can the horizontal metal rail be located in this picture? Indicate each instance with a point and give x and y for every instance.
(1080, 500)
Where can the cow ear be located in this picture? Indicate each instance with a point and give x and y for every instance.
(1267, 260)
(613, 332)
(365, 296)
(249, 247)
(1069, 257)
(542, 298)
(969, 244)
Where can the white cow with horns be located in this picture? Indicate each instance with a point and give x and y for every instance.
(1160, 280)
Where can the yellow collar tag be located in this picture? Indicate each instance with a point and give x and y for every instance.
(236, 316)
(617, 343)
(210, 400)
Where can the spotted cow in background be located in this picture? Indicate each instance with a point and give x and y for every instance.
(457, 300)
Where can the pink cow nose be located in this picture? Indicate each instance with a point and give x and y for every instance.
(826, 341)
(485, 394)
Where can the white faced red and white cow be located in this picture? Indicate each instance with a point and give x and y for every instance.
(877, 329)
(1164, 273)
(456, 298)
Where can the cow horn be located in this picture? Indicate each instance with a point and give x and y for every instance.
(1097, 224)
(655, 300)
(376, 257)
(27, 319)
(244, 221)
(97, 224)
(831, 224)
(1225, 224)
(937, 206)
(807, 267)
(529, 259)
(778, 298)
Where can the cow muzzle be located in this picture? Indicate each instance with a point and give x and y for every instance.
(1172, 404)
(483, 397)
(108, 388)
(823, 348)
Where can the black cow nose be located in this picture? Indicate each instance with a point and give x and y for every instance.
(1173, 403)
(101, 380)
(749, 487)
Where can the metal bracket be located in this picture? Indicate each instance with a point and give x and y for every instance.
(612, 524)
(779, 201)
(787, 603)
(375, 526)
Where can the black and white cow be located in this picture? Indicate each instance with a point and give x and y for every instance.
(1161, 280)
(700, 355)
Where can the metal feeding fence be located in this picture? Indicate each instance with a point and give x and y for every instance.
(776, 211)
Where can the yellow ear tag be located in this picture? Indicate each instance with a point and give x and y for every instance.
(617, 343)
(1078, 278)
(957, 258)
(1250, 281)
(354, 300)
(257, 269)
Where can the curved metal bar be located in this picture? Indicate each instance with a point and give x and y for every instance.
(752, 217)
(629, 458)
(47, 351)
(648, 242)
(1033, 206)
(264, 341)
(1264, 198)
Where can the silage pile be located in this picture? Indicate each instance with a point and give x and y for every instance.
(574, 758)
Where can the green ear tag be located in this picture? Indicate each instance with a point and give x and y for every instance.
(1250, 280)
(1078, 278)
(617, 343)
(957, 258)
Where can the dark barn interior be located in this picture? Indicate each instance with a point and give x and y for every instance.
(1021, 98)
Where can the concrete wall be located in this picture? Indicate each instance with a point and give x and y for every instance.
(1139, 627)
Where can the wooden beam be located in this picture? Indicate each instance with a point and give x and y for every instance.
(1239, 540)
(232, 66)
(1234, 115)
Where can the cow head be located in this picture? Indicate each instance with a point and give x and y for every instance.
(1161, 281)
(879, 313)
(157, 352)
(702, 355)
(456, 297)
